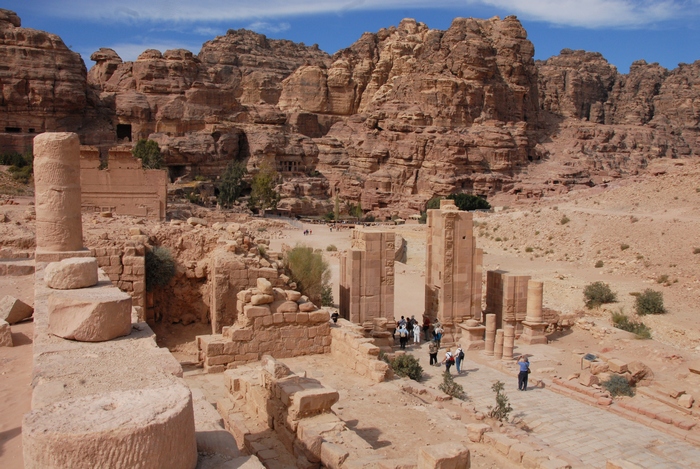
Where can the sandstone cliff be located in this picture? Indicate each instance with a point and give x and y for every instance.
(398, 117)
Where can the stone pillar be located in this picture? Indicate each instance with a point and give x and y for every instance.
(533, 325)
(490, 334)
(508, 341)
(474, 333)
(498, 347)
(59, 229)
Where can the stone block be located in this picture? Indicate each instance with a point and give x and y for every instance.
(686, 400)
(307, 307)
(500, 442)
(256, 311)
(451, 455)
(313, 401)
(13, 310)
(599, 367)
(477, 430)
(517, 451)
(588, 379)
(5, 334)
(241, 335)
(554, 464)
(261, 299)
(264, 286)
(333, 456)
(302, 318)
(293, 295)
(532, 459)
(284, 307)
(76, 272)
(319, 316)
(617, 366)
(90, 314)
(133, 428)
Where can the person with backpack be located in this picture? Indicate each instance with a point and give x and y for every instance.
(403, 336)
(437, 333)
(459, 356)
(449, 360)
(433, 351)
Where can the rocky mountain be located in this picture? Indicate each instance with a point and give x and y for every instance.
(400, 116)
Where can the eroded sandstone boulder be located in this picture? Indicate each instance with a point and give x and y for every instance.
(72, 273)
(5, 334)
(13, 310)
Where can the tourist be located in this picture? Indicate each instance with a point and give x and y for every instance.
(426, 327)
(437, 333)
(403, 336)
(524, 365)
(449, 360)
(416, 334)
(409, 328)
(459, 356)
(402, 321)
(433, 351)
(335, 316)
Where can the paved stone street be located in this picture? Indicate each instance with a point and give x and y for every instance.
(591, 434)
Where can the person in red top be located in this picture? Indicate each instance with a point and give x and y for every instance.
(426, 327)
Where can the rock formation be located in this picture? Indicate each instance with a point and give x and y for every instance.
(398, 117)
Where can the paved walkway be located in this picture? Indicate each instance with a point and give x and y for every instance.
(589, 433)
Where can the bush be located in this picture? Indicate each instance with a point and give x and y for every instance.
(330, 216)
(160, 267)
(617, 385)
(662, 279)
(624, 247)
(502, 408)
(528, 249)
(650, 302)
(309, 270)
(598, 293)
(468, 202)
(149, 153)
(407, 365)
(564, 220)
(13, 159)
(599, 264)
(433, 203)
(331, 248)
(263, 195)
(231, 184)
(621, 321)
(327, 296)
(449, 387)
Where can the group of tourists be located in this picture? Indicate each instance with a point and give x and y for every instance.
(408, 328)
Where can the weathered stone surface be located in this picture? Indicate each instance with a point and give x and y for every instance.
(476, 430)
(264, 286)
(5, 334)
(450, 455)
(146, 428)
(617, 366)
(588, 379)
(72, 273)
(13, 310)
(686, 400)
(90, 315)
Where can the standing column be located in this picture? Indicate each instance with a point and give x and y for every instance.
(490, 334)
(534, 301)
(508, 341)
(59, 229)
(498, 348)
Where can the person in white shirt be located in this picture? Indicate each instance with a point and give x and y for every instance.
(449, 360)
(459, 356)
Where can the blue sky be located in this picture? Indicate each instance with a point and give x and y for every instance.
(664, 31)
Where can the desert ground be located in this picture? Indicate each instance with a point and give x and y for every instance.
(656, 215)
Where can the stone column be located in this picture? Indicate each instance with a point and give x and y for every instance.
(498, 347)
(490, 334)
(533, 325)
(508, 341)
(59, 229)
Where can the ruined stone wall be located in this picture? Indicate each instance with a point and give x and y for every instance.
(367, 277)
(506, 297)
(353, 351)
(124, 187)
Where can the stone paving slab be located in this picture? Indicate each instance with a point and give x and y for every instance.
(589, 433)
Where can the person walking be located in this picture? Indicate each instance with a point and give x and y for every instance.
(437, 333)
(433, 351)
(403, 336)
(416, 334)
(459, 356)
(524, 365)
(449, 360)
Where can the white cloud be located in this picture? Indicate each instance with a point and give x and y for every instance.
(585, 13)
(262, 27)
(209, 32)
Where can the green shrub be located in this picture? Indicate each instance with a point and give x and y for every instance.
(407, 365)
(528, 249)
(22, 174)
(149, 153)
(564, 220)
(617, 385)
(662, 279)
(200, 178)
(468, 202)
(262, 250)
(331, 248)
(160, 267)
(449, 387)
(624, 247)
(327, 296)
(502, 408)
(433, 203)
(599, 264)
(13, 159)
(309, 270)
(622, 321)
(330, 216)
(369, 218)
(598, 293)
(498, 238)
(650, 302)
(231, 184)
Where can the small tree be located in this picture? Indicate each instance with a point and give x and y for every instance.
(598, 293)
(309, 270)
(231, 184)
(502, 408)
(160, 267)
(449, 387)
(148, 152)
(650, 302)
(617, 385)
(264, 196)
(469, 202)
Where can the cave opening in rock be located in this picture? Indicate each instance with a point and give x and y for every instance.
(124, 131)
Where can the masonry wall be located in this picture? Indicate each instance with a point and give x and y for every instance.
(367, 277)
(352, 351)
(124, 188)
(506, 296)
